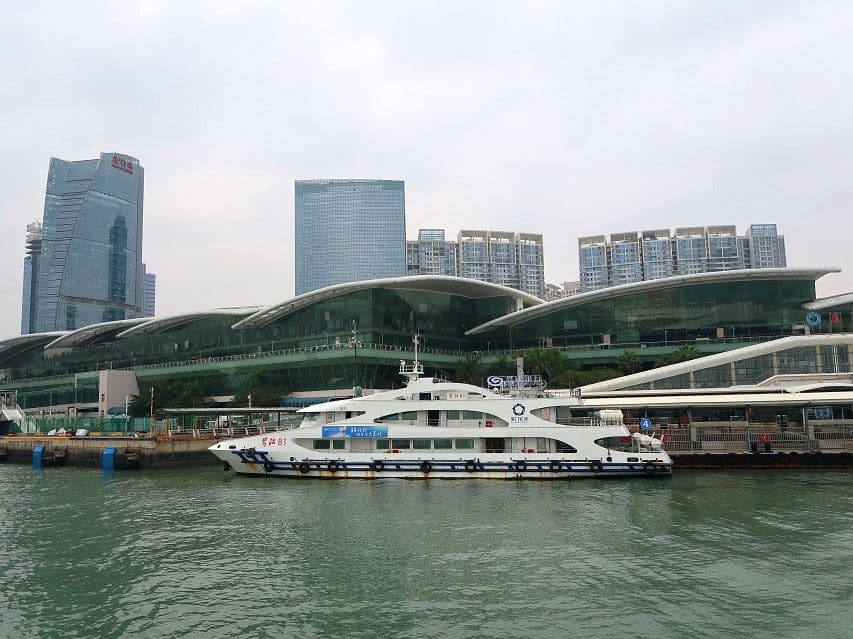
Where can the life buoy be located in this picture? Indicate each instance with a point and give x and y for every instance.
(596, 466)
(268, 467)
(426, 466)
(470, 465)
(764, 438)
(555, 466)
(333, 466)
(304, 468)
(378, 465)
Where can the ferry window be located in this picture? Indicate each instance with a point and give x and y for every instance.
(393, 417)
(442, 444)
(465, 443)
(322, 444)
(471, 414)
(452, 414)
(383, 444)
(421, 444)
(339, 444)
(311, 417)
(563, 447)
(409, 416)
(401, 443)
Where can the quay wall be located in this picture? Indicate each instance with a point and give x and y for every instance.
(140, 452)
(763, 460)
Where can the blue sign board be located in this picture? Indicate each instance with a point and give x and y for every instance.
(645, 423)
(355, 432)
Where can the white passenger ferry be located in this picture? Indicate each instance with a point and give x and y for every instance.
(432, 428)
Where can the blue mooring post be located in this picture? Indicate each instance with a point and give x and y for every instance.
(108, 459)
(38, 456)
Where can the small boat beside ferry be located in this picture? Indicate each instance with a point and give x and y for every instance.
(432, 428)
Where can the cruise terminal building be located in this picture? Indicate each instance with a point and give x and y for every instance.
(355, 334)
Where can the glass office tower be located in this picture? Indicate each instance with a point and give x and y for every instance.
(349, 230)
(89, 268)
(149, 292)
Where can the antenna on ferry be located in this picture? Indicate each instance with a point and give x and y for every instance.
(413, 372)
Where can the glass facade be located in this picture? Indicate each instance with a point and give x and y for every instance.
(89, 268)
(384, 317)
(349, 230)
(751, 308)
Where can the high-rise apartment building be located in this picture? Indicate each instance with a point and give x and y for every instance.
(657, 258)
(349, 230)
(512, 259)
(87, 267)
(149, 292)
(508, 258)
(431, 254)
(555, 292)
(592, 254)
(765, 246)
(635, 256)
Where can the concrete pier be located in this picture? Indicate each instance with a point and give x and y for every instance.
(131, 452)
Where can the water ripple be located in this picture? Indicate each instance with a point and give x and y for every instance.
(207, 554)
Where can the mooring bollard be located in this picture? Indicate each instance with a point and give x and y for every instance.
(108, 459)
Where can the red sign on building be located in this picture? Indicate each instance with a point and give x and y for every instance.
(124, 165)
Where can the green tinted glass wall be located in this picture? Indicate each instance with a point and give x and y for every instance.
(742, 309)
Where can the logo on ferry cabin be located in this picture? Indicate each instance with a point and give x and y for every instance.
(518, 413)
(495, 381)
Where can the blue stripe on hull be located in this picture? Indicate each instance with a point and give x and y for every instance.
(331, 469)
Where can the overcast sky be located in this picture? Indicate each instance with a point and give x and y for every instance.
(564, 118)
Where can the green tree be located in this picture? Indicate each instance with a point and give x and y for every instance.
(501, 366)
(629, 362)
(470, 370)
(683, 354)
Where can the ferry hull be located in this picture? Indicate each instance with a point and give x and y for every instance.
(540, 469)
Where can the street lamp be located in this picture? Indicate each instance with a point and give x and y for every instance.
(126, 412)
(354, 344)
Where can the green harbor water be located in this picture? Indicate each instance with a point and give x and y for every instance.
(202, 553)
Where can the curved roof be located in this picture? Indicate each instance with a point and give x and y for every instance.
(830, 302)
(21, 344)
(461, 286)
(161, 324)
(93, 333)
(718, 359)
(647, 286)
